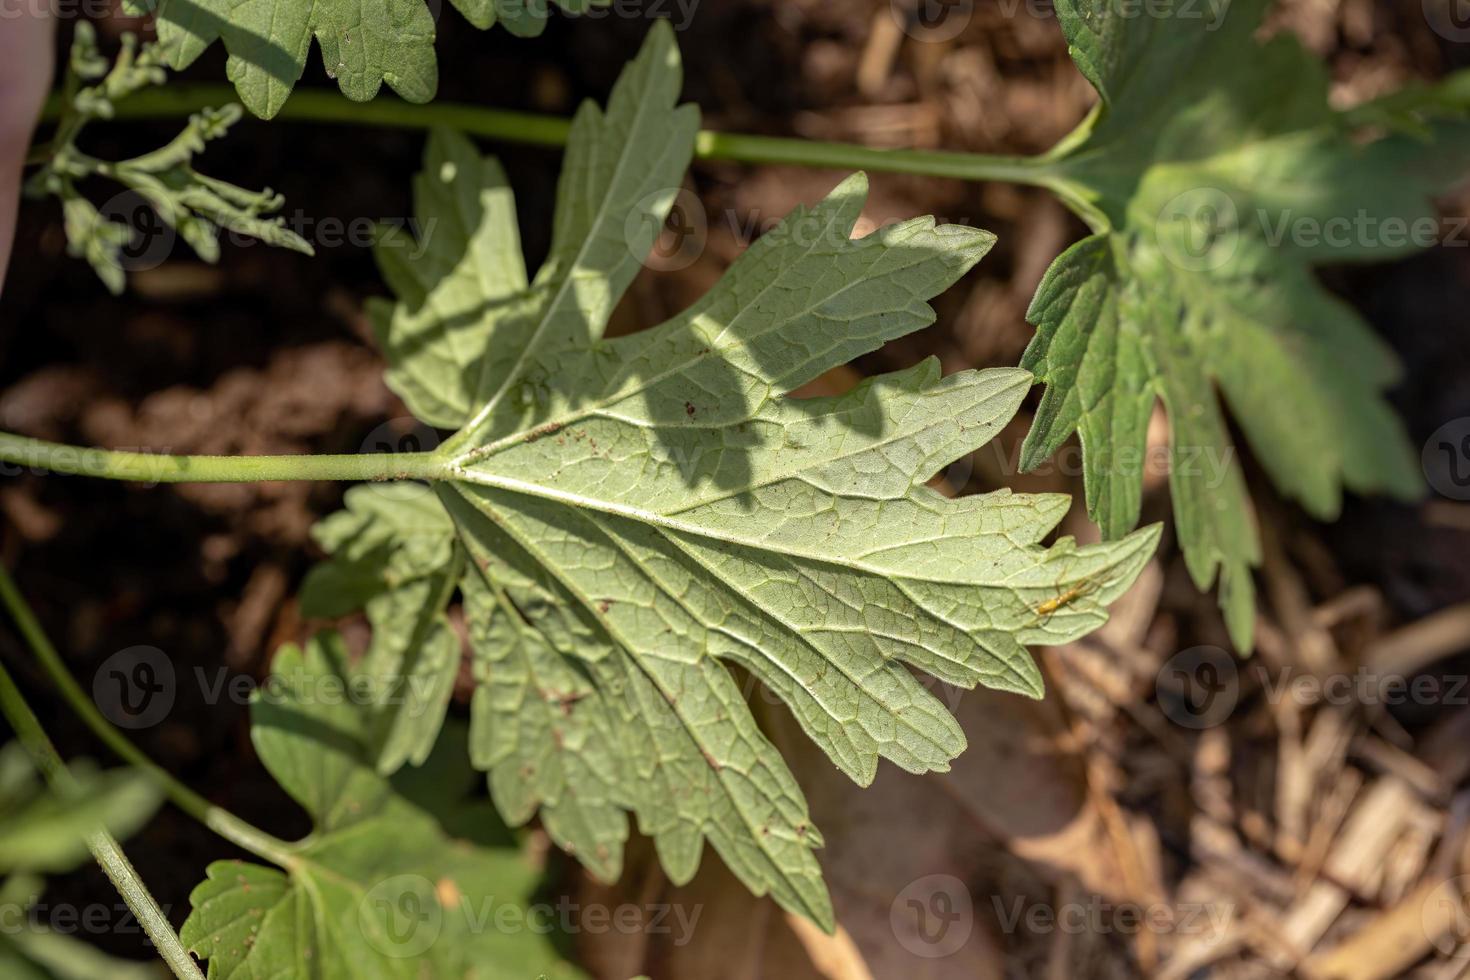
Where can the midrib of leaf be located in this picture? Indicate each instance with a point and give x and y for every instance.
(610, 397)
(276, 40)
(515, 617)
(315, 901)
(554, 302)
(628, 645)
(582, 502)
(666, 524)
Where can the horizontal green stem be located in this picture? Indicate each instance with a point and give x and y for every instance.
(219, 820)
(848, 156)
(51, 457)
(324, 106)
(104, 846)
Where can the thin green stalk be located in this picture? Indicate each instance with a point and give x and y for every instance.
(217, 819)
(104, 846)
(52, 457)
(848, 156)
(324, 106)
(134, 892)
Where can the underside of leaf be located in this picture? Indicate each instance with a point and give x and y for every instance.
(629, 519)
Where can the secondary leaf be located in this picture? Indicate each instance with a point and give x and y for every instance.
(378, 892)
(637, 515)
(363, 44)
(1213, 190)
(395, 557)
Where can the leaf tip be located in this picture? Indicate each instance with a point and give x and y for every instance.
(1029, 682)
(1149, 535)
(1238, 604)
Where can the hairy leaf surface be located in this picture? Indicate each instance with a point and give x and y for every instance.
(630, 518)
(378, 892)
(1213, 191)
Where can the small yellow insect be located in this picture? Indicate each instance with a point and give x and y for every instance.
(1085, 587)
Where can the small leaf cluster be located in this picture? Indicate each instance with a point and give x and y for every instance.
(193, 204)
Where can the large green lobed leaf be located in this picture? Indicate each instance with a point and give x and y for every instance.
(627, 519)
